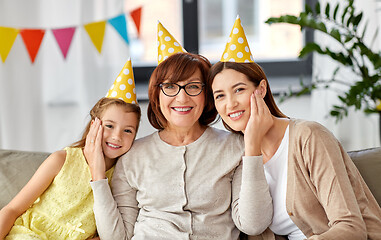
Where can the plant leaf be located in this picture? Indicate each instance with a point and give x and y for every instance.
(317, 8)
(321, 26)
(310, 47)
(356, 20)
(374, 37)
(335, 72)
(283, 19)
(335, 11)
(308, 9)
(344, 13)
(335, 34)
(327, 8)
(339, 56)
(365, 28)
(348, 21)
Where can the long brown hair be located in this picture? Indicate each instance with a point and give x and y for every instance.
(175, 68)
(98, 110)
(255, 74)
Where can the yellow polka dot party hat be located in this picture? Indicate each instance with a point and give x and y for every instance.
(124, 85)
(167, 44)
(237, 48)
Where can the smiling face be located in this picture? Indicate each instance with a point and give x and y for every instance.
(183, 111)
(231, 92)
(119, 131)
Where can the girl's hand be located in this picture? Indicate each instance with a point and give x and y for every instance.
(93, 151)
(259, 123)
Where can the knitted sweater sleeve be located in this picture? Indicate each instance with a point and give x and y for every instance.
(115, 212)
(252, 207)
(330, 174)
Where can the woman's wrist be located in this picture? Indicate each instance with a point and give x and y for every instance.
(253, 152)
(97, 173)
(252, 149)
(97, 177)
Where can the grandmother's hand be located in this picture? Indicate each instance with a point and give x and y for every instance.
(259, 123)
(93, 151)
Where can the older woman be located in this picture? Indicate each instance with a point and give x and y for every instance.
(184, 181)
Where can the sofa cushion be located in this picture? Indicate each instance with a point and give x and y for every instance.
(16, 168)
(368, 162)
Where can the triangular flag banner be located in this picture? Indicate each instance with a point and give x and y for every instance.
(32, 39)
(124, 85)
(63, 37)
(7, 38)
(136, 16)
(167, 44)
(119, 23)
(237, 48)
(96, 33)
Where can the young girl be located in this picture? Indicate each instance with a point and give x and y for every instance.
(317, 191)
(57, 203)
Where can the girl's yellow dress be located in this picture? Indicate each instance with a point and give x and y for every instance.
(65, 209)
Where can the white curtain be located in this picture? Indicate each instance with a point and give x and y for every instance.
(44, 105)
(358, 130)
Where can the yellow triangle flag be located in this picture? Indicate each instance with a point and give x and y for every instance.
(7, 38)
(96, 31)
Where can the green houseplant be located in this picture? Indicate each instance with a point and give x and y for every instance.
(341, 22)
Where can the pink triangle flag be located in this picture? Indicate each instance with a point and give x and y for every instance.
(64, 36)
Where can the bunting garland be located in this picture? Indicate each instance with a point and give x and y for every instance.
(33, 38)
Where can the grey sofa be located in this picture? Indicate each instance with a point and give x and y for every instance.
(17, 167)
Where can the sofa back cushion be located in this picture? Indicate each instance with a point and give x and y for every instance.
(368, 162)
(16, 168)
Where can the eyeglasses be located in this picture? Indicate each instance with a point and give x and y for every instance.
(172, 89)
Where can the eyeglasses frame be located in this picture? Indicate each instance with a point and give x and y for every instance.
(181, 87)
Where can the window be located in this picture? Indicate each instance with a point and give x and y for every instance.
(203, 27)
(267, 42)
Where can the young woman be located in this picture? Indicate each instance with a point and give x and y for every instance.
(317, 191)
(57, 203)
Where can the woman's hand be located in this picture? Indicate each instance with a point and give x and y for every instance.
(93, 151)
(259, 123)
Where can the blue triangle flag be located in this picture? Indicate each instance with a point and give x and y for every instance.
(119, 23)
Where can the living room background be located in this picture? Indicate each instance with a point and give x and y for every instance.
(44, 104)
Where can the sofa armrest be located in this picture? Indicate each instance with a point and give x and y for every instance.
(368, 162)
(16, 168)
